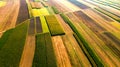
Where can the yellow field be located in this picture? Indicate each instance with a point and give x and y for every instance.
(39, 12)
(116, 24)
(2, 3)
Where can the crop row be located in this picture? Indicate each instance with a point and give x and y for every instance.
(54, 25)
(84, 42)
(108, 4)
(44, 53)
(109, 14)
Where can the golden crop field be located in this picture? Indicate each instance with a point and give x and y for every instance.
(59, 33)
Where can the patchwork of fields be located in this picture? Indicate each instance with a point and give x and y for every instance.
(59, 33)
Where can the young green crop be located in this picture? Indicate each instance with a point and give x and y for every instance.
(44, 53)
(54, 26)
(11, 51)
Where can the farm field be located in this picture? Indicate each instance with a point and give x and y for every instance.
(59, 33)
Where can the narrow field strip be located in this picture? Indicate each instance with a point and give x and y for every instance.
(28, 52)
(86, 45)
(61, 53)
(54, 26)
(23, 10)
(44, 52)
(39, 12)
(31, 30)
(44, 24)
(38, 25)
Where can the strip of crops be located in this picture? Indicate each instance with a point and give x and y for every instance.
(50, 10)
(5, 37)
(39, 12)
(54, 26)
(55, 10)
(107, 4)
(44, 24)
(44, 4)
(89, 21)
(84, 50)
(29, 8)
(86, 45)
(108, 14)
(11, 51)
(40, 59)
(31, 30)
(51, 59)
(38, 25)
(44, 53)
(23, 12)
(80, 5)
(103, 16)
(73, 52)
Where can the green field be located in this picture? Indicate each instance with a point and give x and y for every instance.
(54, 25)
(39, 12)
(44, 24)
(12, 45)
(44, 54)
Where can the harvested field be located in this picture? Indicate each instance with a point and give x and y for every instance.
(23, 10)
(61, 53)
(8, 16)
(31, 30)
(28, 52)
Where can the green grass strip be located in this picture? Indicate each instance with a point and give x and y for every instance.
(10, 53)
(54, 26)
(44, 53)
(51, 58)
(5, 37)
(85, 51)
(84, 42)
(55, 10)
(40, 52)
